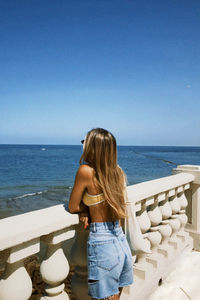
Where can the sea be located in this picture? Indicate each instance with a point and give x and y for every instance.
(38, 176)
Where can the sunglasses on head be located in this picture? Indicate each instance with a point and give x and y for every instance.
(82, 141)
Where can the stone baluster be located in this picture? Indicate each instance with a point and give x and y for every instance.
(55, 268)
(154, 213)
(79, 260)
(175, 225)
(143, 218)
(154, 235)
(145, 224)
(193, 198)
(143, 267)
(174, 203)
(16, 283)
(182, 200)
(165, 230)
(181, 216)
(166, 210)
(155, 239)
(141, 257)
(165, 207)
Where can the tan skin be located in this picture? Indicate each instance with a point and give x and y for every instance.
(85, 181)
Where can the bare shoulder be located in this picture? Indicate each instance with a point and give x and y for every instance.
(85, 171)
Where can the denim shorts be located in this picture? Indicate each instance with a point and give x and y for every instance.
(110, 263)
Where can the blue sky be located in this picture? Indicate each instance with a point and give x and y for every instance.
(132, 67)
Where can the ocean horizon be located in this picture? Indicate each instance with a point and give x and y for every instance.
(78, 144)
(35, 176)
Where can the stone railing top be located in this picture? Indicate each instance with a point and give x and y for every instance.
(145, 190)
(189, 167)
(192, 169)
(25, 227)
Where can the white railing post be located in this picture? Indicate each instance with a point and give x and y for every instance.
(16, 283)
(193, 197)
(20, 238)
(55, 268)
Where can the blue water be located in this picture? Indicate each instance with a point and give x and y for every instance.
(38, 176)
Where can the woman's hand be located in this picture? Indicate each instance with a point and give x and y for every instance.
(84, 218)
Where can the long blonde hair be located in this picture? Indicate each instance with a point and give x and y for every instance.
(100, 152)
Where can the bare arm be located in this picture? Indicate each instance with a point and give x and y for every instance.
(80, 184)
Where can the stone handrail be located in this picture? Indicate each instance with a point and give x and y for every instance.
(161, 214)
(20, 238)
(22, 228)
(144, 190)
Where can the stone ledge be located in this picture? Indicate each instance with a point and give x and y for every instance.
(18, 229)
(144, 190)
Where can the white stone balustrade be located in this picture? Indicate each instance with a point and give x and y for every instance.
(20, 238)
(168, 213)
(161, 213)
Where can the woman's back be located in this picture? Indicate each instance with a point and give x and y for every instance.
(100, 211)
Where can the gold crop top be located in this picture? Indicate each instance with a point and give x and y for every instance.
(90, 200)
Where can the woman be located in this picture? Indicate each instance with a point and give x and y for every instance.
(100, 186)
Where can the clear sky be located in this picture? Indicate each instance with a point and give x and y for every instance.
(130, 66)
